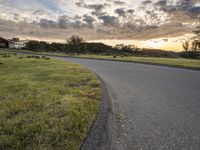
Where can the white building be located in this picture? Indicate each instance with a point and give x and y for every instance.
(16, 43)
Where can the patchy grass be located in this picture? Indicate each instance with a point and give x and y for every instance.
(45, 104)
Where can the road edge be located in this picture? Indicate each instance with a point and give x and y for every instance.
(100, 134)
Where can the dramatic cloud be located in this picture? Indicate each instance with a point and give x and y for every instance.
(94, 19)
(187, 7)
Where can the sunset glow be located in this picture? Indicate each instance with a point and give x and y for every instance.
(145, 23)
(170, 44)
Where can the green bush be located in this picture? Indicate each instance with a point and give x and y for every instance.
(190, 54)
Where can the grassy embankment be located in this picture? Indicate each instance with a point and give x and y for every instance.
(174, 62)
(178, 62)
(45, 104)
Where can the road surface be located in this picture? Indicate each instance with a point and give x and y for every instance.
(154, 107)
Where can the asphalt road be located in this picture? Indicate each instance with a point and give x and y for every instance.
(155, 108)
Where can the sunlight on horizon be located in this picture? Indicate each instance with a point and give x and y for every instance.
(169, 44)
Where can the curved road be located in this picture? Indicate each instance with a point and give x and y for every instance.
(154, 107)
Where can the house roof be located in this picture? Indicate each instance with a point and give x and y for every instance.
(6, 40)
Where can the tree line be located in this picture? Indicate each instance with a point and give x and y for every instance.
(77, 45)
(192, 45)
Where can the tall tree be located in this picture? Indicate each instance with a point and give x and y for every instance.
(186, 46)
(75, 39)
(196, 38)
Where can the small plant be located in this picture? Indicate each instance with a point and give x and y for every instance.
(47, 58)
(6, 55)
(94, 83)
(43, 57)
(29, 56)
(1, 63)
(20, 57)
(37, 57)
(114, 56)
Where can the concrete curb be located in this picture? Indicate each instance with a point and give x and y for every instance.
(99, 137)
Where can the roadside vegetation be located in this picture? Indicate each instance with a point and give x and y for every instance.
(45, 103)
(181, 62)
(192, 45)
(76, 46)
(174, 62)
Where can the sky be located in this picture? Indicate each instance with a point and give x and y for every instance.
(145, 23)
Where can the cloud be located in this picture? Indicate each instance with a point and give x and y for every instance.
(63, 21)
(32, 4)
(120, 12)
(161, 3)
(109, 20)
(89, 19)
(188, 7)
(96, 19)
(194, 10)
(130, 11)
(47, 23)
(119, 2)
(96, 8)
(146, 2)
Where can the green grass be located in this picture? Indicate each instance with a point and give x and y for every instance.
(45, 104)
(179, 62)
(174, 62)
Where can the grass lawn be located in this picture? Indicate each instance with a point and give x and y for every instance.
(45, 104)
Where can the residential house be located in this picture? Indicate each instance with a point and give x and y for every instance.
(12, 43)
(4, 43)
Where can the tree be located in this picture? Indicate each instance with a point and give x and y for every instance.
(75, 39)
(186, 46)
(196, 38)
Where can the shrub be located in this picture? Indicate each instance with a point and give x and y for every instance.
(37, 57)
(43, 57)
(6, 55)
(29, 56)
(190, 54)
